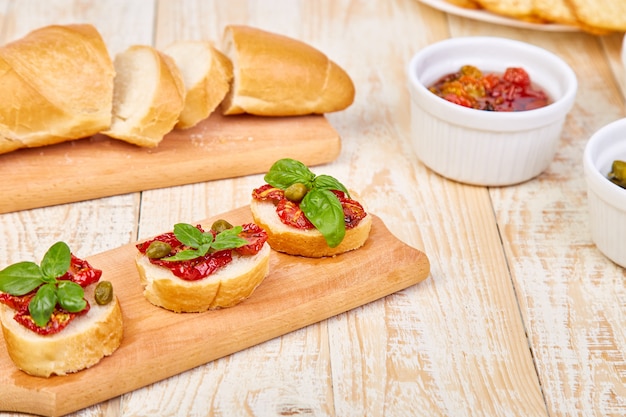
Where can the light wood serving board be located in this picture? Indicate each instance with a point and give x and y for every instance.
(218, 147)
(158, 344)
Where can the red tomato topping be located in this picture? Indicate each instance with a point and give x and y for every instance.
(58, 320)
(267, 193)
(255, 235)
(511, 91)
(203, 266)
(292, 215)
(80, 272)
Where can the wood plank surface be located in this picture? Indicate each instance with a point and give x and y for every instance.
(158, 344)
(218, 147)
(521, 315)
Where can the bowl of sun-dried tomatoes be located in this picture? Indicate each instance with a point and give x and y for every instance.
(488, 111)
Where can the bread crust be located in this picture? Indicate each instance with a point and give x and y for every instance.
(60, 82)
(144, 114)
(207, 74)
(275, 75)
(81, 345)
(307, 243)
(226, 287)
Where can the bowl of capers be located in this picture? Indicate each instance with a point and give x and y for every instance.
(604, 162)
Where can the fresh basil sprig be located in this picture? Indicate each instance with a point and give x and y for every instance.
(23, 277)
(320, 205)
(202, 242)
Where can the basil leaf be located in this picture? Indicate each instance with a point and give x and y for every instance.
(186, 255)
(189, 235)
(329, 183)
(42, 304)
(70, 296)
(229, 239)
(286, 172)
(56, 261)
(324, 210)
(20, 278)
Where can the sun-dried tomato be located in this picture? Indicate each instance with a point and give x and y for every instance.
(510, 91)
(58, 320)
(203, 266)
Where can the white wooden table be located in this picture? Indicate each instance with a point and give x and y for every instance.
(521, 316)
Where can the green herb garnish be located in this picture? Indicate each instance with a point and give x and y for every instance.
(201, 242)
(320, 205)
(23, 277)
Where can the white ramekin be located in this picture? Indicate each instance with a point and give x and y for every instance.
(483, 147)
(607, 201)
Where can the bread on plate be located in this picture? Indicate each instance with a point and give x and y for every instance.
(148, 96)
(192, 270)
(275, 75)
(308, 215)
(84, 326)
(207, 74)
(57, 85)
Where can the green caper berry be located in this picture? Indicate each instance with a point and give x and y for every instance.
(158, 250)
(103, 293)
(220, 225)
(296, 192)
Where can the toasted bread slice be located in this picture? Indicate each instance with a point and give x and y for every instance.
(226, 287)
(82, 344)
(309, 243)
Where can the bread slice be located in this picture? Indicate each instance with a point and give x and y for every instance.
(226, 287)
(309, 243)
(275, 75)
(57, 85)
(148, 96)
(82, 344)
(207, 74)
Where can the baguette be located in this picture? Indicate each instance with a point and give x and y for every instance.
(275, 75)
(57, 85)
(227, 286)
(207, 74)
(148, 96)
(82, 344)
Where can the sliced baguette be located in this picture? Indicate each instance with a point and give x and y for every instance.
(275, 75)
(57, 85)
(309, 243)
(82, 344)
(148, 96)
(226, 287)
(207, 74)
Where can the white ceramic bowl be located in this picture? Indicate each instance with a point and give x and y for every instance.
(607, 201)
(484, 147)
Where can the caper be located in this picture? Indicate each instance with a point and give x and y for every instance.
(618, 173)
(103, 293)
(158, 250)
(296, 192)
(220, 225)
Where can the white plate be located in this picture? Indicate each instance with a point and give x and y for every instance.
(485, 16)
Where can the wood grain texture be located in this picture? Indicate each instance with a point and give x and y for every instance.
(158, 344)
(218, 147)
(521, 315)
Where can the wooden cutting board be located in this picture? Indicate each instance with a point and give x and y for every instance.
(298, 292)
(218, 147)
